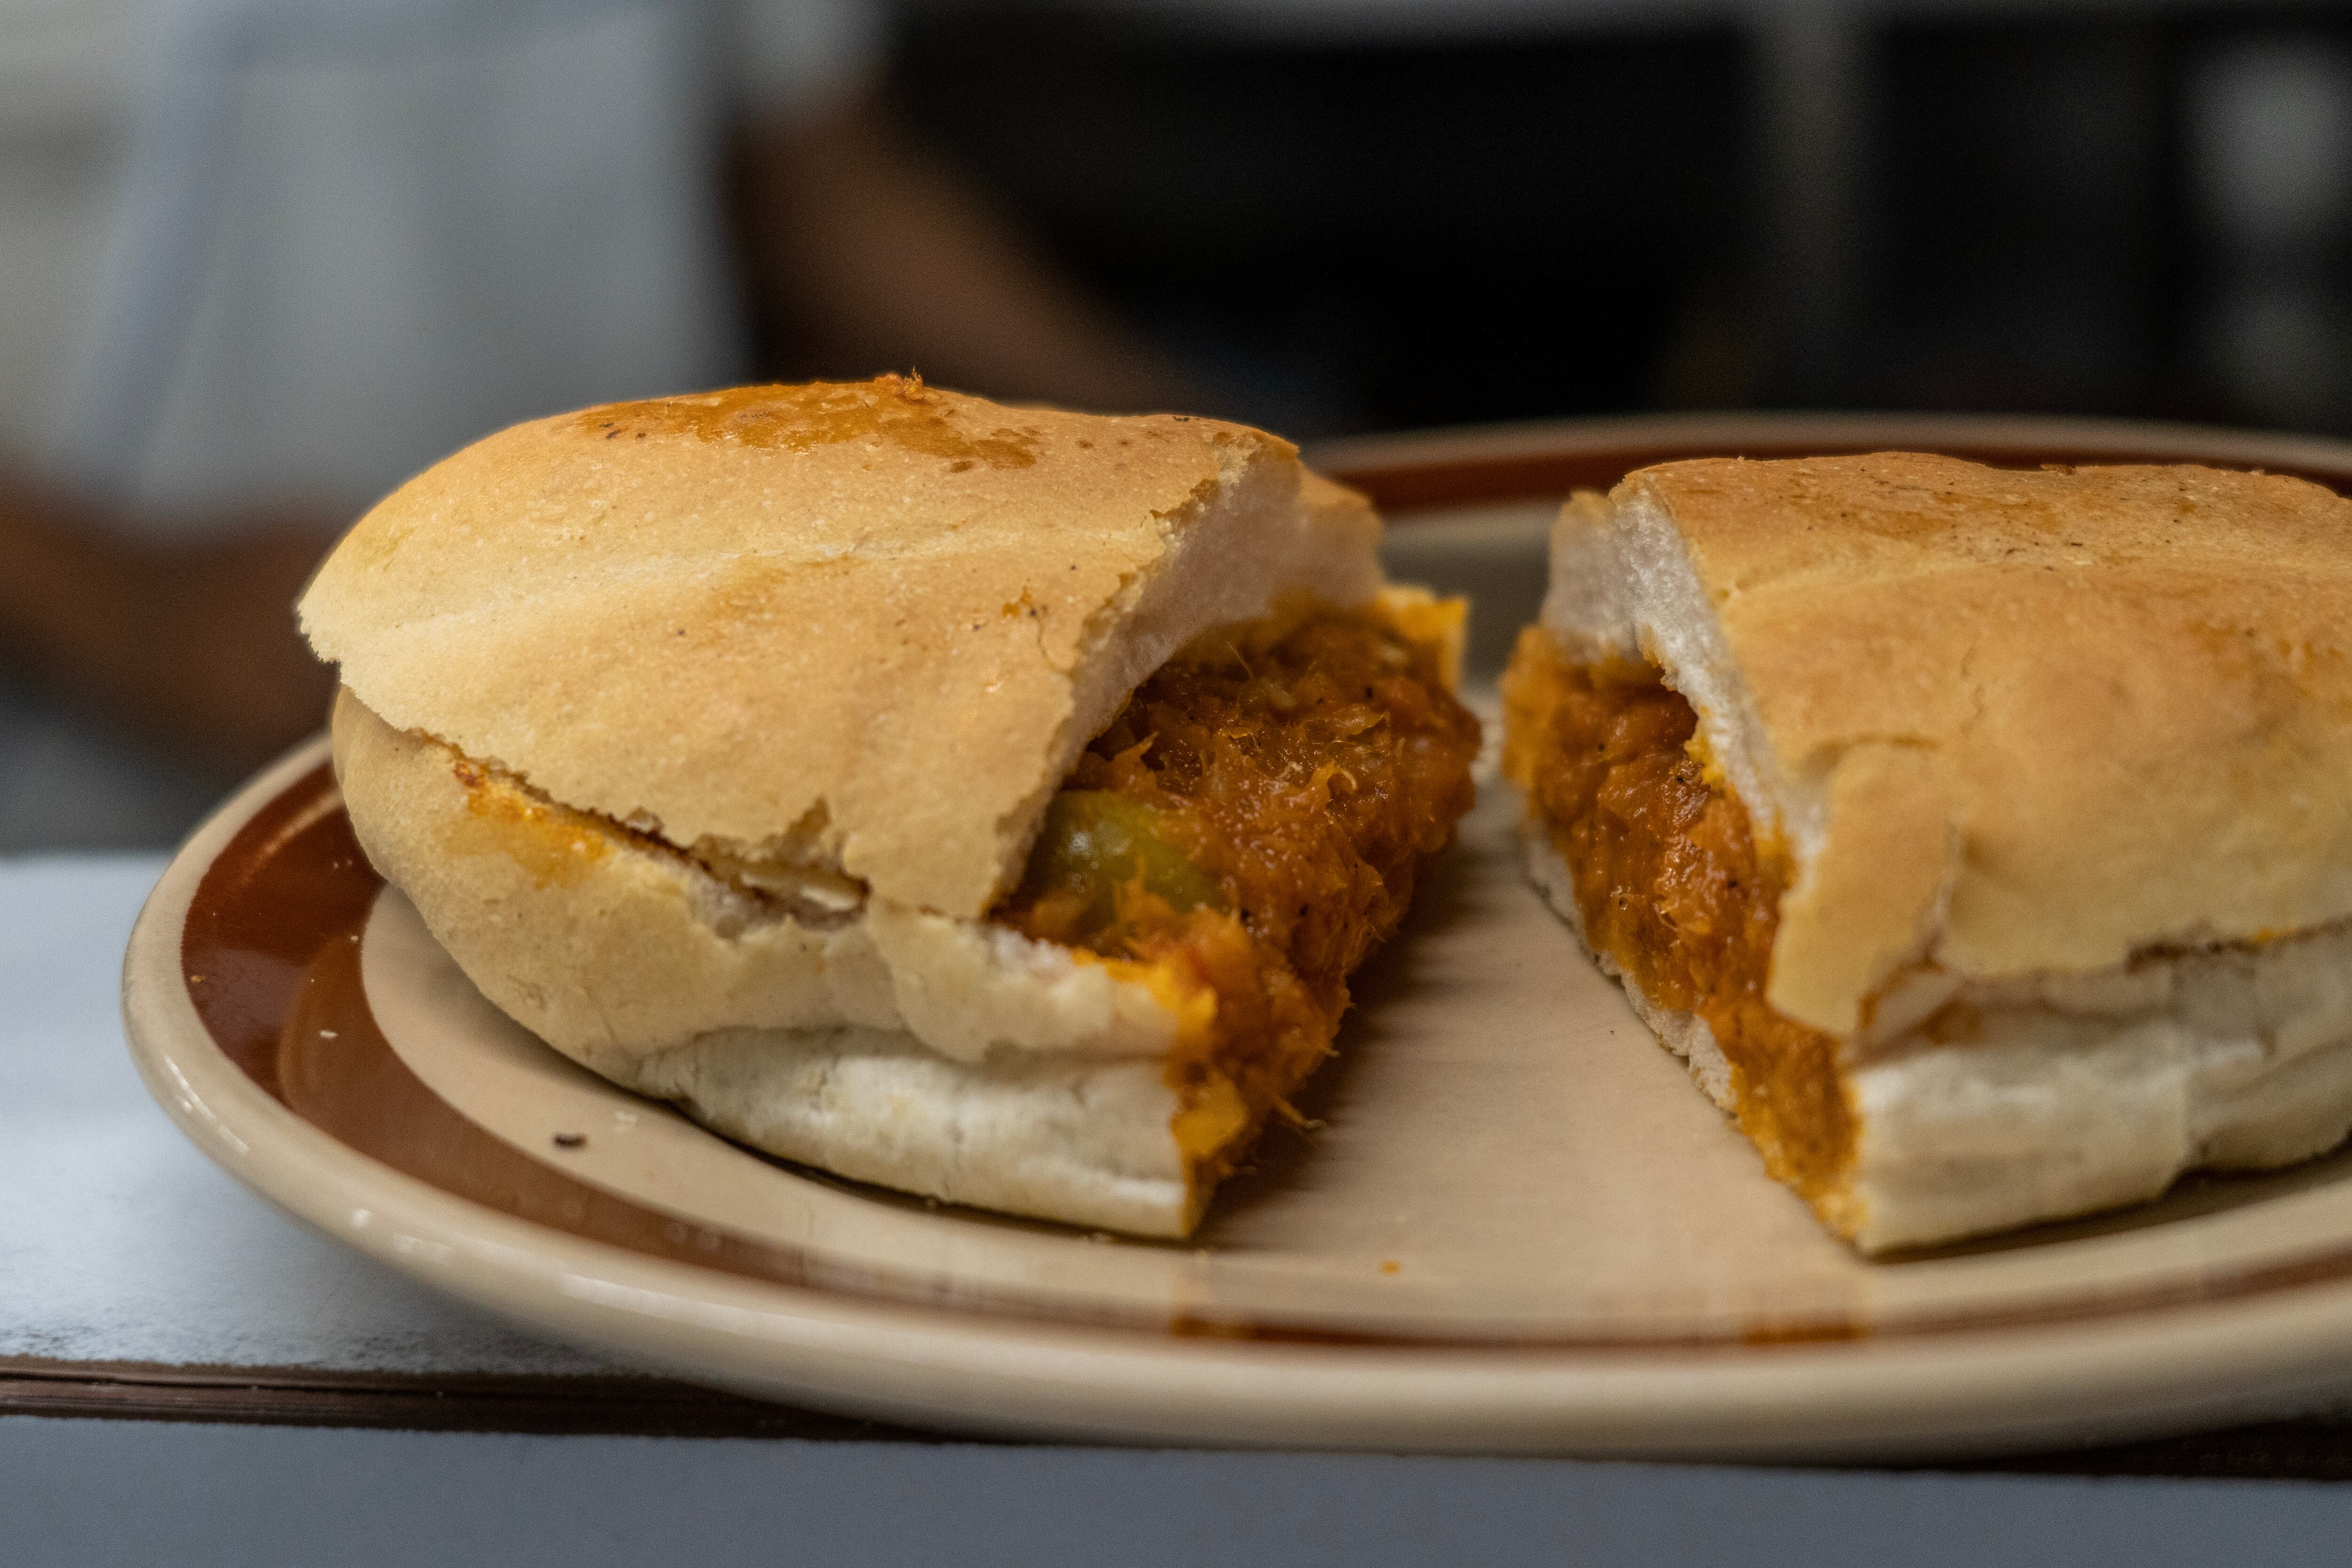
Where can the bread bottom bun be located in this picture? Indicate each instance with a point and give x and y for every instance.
(1086, 1142)
(947, 1058)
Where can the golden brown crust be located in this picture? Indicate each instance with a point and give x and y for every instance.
(865, 625)
(2040, 720)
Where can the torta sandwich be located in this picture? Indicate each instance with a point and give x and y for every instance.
(1982, 839)
(986, 803)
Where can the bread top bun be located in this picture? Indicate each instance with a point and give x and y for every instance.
(2002, 723)
(857, 629)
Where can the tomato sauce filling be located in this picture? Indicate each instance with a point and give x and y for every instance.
(1673, 887)
(1250, 826)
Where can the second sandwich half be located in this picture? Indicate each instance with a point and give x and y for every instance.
(990, 803)
(1978, 837)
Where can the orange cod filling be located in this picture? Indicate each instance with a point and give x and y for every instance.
(1673, 887)
(1245, 831)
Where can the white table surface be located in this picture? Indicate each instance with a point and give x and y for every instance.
(119, 1242)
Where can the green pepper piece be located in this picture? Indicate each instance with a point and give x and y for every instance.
(1098, 840)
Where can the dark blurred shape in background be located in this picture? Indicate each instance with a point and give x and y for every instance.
(1327, 216)
(1370, 235)
(2267, 122)
(2132, 209)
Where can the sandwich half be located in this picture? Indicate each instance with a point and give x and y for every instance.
(988, 803)
(1981, 839)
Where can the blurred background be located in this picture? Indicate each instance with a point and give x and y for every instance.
(260, 260)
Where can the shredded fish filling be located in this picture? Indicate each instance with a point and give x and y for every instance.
(1252, 825)
(1671, 887)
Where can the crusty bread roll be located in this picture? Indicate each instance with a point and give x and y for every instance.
(704, 732)
(2053, 772)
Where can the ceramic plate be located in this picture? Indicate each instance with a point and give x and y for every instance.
(1515, 1225)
